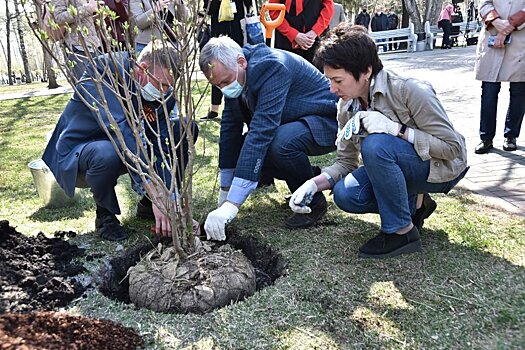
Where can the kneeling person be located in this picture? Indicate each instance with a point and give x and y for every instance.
(81, 154)
(290, 113)
(406, 141)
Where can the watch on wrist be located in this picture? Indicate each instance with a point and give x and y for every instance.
(402, 130)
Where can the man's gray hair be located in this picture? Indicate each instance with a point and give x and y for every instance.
(222, 49)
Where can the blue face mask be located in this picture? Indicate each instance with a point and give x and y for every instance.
(234, 89)
(151, 93)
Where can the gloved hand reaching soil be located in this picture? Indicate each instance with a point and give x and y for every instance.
(218, 219)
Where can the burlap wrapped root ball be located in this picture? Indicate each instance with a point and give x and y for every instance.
(204, 282)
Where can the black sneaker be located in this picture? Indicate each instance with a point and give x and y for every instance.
(483, 147)
(307, 220)
(210, 115)
(427, 208)
(510, 144)
(108, 226)
(145, 209)
(389, 245)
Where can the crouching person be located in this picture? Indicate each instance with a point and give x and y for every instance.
(81, 154)
(290, 114)
(407, 144)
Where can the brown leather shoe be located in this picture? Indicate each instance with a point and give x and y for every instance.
(307, 220)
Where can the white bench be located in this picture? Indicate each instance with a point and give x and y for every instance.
(402, 35)
(463, 29)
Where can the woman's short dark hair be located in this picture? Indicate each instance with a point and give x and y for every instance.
(349, 47)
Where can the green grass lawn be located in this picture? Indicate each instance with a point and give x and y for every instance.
(466, 290)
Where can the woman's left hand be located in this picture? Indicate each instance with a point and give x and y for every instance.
(378, 123)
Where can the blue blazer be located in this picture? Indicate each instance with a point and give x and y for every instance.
(79, 125)
(281, 87)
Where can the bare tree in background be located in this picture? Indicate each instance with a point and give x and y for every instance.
(34, 19)
(429, 9)
(23, 51)
(8, 44)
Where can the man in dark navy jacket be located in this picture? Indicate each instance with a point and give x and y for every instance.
(290, 113)
(81, 154)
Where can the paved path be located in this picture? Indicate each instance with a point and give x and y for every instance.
(498, 175)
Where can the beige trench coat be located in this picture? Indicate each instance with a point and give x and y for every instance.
(82, 24)
(143, 17)
(501, 64)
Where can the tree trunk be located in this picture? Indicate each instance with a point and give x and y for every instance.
(414, 14)
(8, 43)
(23, 51)
(49, 71)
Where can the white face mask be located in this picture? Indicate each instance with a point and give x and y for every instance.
(151, 93)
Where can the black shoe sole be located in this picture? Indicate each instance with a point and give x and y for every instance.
(412, 247)
(510, 149)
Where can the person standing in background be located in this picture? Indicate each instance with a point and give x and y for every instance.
(229, 28)
(393, 23)
(120, 7)
(501, 62)
(338, 17)
(379, 23)
(169, 12)
(445, 23)
(75, 41)
(304, 23)
(363, 18)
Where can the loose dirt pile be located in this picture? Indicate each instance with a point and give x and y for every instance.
(59, 331)
(36, 275)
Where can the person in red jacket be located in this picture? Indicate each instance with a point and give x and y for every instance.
(304, 23)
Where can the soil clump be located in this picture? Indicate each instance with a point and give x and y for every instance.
(37, 276)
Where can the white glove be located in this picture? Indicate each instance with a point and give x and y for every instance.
(352, 127)
(377, 123)
(223, 195)
(302, 197)
(217, 220)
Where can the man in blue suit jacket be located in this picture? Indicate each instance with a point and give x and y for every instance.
(290, 113)
(80, 152)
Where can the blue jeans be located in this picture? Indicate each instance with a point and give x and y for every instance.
(388, 183)
(287, 157)
(385, 47)
(489, 109)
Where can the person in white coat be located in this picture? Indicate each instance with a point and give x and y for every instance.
(501, 57)
(338, 17)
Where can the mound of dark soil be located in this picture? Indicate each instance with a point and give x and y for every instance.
(59, 331)
(35, 273)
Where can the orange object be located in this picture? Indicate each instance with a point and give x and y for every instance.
(270, 25)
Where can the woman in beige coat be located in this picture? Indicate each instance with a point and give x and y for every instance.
(154, 18)
(498, 60)
(398, 128)
(81, 35)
